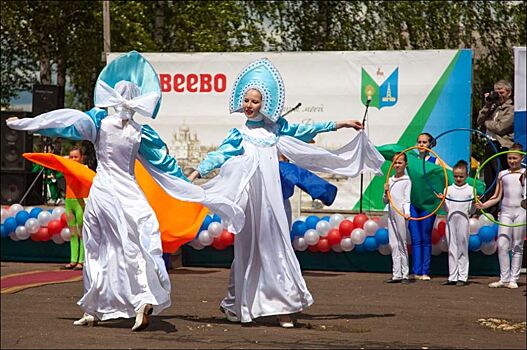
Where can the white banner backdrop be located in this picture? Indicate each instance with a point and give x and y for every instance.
(194, 116)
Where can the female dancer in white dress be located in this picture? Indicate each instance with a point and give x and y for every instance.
(124, 274)
(265, 275)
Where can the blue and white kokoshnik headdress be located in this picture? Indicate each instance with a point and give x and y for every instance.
(264, 77)
(134, 68)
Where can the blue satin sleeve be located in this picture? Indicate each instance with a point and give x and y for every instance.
(230, 147)
(292, 175)
(154, 150)
(304, 132)
(73, 132)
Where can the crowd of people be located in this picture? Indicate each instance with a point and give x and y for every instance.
(124, 271)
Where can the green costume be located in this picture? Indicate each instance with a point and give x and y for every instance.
(74, 214)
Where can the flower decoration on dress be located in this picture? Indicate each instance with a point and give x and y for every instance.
(264, 77)
(131, 67)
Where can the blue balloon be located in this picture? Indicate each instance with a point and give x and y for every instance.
(21, 217)
(2, 231)
(486, 234)
(325, 218)
(298, 229)
(311, 222)
(474, 243)
(10, 225)
(34, 212)
(205, 223)
(359, 248)
(216, 218)
(50, 211)
(370, 243)
(381, 236)
(495, 227)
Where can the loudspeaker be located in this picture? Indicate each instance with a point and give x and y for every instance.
(47, 98)
(14, 143)
(15, 184)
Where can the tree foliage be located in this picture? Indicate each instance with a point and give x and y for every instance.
(66, 37)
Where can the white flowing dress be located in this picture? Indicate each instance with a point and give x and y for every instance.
(265, 277)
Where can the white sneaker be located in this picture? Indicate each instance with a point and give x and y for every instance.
(498, 284)
(141, 319)
(512, 285)
(86, 320)
(425, 278)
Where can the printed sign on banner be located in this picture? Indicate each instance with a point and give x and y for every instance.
(410, 91)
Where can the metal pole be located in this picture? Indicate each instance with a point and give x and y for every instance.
(362, 175)
(106, 28)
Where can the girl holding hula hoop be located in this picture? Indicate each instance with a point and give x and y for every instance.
(421, 231)
(509, 191)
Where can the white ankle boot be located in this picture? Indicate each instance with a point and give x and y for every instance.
(141, 319)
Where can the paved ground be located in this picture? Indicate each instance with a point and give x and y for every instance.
(351, 310)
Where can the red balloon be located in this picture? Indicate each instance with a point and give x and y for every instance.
(41, 235)
(359, 220)
(333, 236)
(226, 238)
(64, 220)
(436, 237)
(54, 227)
(377, 219)
(345, 227)
(313, 248)
(441, 227)
(217, 243)
(323, 245)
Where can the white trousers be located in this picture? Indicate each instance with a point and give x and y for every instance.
(457, 235)
(511, 238)
(397, 231)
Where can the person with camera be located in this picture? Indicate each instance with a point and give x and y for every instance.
(496, 119)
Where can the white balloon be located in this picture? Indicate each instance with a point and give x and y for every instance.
(489, 248)
(57, 213)
(57, 239)
(14, 209)
(205, 238)
(28, 209)
(443, 244)
(350, 218)
(311, 236)
(484, 221)
(358, 236)
(370, 227)
(196, 244)
(335, 219)
(473, 226)
(436, 249)
(336, 248)
(44, 217)
(300, 244)
(13, 236)
(347, 244)
(385, 249)
(22, 233)
(65, 234)
(323, 227)
(4, 214)
(215, 229)
(32, 225)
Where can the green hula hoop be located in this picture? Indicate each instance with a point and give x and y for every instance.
(474, 186)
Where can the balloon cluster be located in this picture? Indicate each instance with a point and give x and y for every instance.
(212, 232)
(483, 233)
(340, 234)
(35, 223)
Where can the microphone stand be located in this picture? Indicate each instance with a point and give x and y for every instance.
(362, 175)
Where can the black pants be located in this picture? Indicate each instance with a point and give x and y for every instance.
(491, 171)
